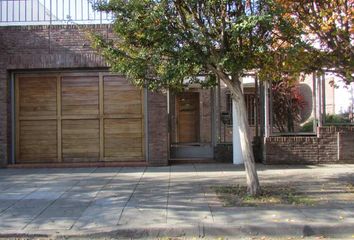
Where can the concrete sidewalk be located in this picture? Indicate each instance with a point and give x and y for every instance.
(169, 202)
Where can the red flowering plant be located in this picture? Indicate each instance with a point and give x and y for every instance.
(287, 105)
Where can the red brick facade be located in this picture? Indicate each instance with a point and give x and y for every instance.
(65, 47)
(58, 48)
(158, 143)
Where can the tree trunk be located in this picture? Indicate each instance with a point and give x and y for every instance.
(234, 86)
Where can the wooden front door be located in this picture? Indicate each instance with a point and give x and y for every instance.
(188, 117)
(78, 118)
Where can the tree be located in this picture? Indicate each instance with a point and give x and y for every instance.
(169, 43)
(327, 27)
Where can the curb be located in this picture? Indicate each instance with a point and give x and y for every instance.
(196, 231)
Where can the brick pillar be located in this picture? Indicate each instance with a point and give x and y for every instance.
(3, 118)
(158, 143)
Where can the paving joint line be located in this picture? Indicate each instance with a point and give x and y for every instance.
(131, 195)
(16, 201)
(19, 200)
(50, 204)
(168, 193)
(204, 194)
(93, 199)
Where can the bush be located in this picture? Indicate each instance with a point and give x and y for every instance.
(307, 127)
(338, 118)
(330, 119)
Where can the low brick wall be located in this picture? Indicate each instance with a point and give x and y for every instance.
(333, 144)
(223, 152)
(291, 150)
(346, 146)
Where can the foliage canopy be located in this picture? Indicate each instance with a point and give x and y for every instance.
(169, 43)
(328, 27)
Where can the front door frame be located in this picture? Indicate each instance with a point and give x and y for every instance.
(197, 115)
(171, 103)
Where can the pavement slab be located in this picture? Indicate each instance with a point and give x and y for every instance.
(172, 201)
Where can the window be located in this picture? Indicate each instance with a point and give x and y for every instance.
(251, 107)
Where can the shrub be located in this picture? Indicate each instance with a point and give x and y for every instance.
(330, 119)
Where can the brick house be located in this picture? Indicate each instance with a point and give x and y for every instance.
(60, 106)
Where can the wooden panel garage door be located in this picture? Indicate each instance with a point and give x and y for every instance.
(78, 118)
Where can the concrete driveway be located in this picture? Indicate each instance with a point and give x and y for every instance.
(168, 201)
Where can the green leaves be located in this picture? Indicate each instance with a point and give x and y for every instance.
(327, 29)
(162, 44)
(169, 43)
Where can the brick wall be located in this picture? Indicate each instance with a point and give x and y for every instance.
(3, 116)
(312, 149)
(223, 152)
(328, 143)
(346, 146)
(157, 129)
(43, 48)
(291, 150)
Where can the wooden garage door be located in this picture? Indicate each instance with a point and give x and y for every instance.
(78, 118)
